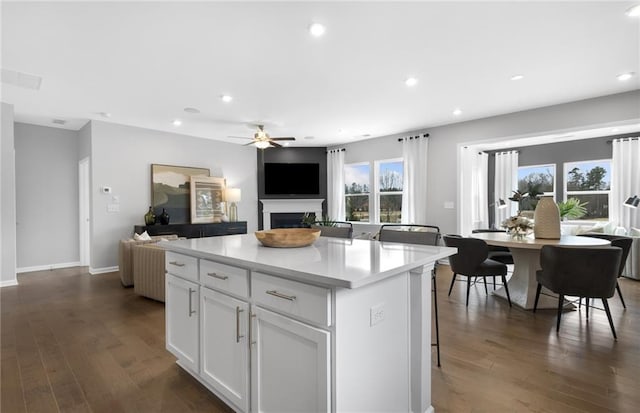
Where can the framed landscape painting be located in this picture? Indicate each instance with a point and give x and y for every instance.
(170, 188)
(207, 199)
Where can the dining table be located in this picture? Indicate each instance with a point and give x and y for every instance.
(526, 261)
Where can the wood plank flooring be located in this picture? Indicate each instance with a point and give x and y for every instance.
(72, 342)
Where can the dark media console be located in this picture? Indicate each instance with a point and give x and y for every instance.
(194, 230)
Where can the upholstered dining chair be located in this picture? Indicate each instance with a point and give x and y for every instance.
(621, 242)
(579, 272)
(339, 230)
(497, 253)
(472, 261)
(417, 234)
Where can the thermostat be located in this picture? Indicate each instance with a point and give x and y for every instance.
(106, 189)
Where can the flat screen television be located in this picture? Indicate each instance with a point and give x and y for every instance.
(291, 179)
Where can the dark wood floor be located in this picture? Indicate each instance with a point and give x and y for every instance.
(75, 342)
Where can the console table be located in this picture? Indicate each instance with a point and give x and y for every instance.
(194, 230)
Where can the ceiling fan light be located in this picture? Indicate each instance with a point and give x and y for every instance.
(262, 144)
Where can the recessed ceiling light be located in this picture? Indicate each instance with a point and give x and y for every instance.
(457, 112)
(633, 11)
(411, 81)
(625, 76)
(517, 77)
(317, 29)
(191, 110)
(226, 98)
(177, 122)
(285, 144)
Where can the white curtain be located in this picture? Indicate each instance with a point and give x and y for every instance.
(474, 209)
(414, 182)
(506, 181)
(625, 182)
(335, 184)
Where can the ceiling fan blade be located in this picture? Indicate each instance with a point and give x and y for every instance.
(277, 145)
(238, 137)
(284, 139)
(250, 143)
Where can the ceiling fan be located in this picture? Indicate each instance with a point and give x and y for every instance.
(262, 140)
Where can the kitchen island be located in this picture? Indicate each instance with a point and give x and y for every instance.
(341, 325)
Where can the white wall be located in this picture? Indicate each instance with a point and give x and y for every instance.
(444, 141)
(7, 199)
(121, 157)
(47, 197)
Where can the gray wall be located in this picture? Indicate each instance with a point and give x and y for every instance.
(444, 140)
(7, 199)
(121, 157)
(292, 155)
(47, 196)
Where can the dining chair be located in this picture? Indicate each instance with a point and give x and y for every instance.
(340, 229)
(417, 234)
(623, 243)
(497, 253)
(472, 261)
(579, 272)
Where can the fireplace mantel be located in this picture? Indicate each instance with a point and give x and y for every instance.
(270, 206)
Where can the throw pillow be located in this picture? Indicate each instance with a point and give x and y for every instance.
(142, 237)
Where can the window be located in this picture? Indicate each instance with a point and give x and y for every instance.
(389, 193)
(590, 182)
(385, 186)
(536, 180)
(356, 189)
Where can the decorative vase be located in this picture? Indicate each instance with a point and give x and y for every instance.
(150, 217)
(547, 219)
(164, 217)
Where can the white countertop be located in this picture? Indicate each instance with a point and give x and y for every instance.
(335, 262)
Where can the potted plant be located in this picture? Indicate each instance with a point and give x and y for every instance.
(572, 208)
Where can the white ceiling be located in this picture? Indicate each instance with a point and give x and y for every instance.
(145, 62)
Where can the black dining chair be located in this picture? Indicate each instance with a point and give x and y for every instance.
(338, 229)
(416, 234)
(579, 272)
(623, 243)
(497, 253)
(472, 261)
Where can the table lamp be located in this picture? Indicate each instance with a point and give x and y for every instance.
(233, 195)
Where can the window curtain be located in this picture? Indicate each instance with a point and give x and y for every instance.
(474, 188)
(335, 185)
(506, 181)
(625, 182)
(414, 181)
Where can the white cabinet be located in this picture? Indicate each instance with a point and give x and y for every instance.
(182, 320)
(290, 365)
(224, 343)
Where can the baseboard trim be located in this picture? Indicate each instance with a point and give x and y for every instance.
(48, 267)
(103, 270)
(9, 283)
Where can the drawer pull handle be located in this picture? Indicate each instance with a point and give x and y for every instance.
(191, 310)
(238, 336)
(280, 295)
(251, 317)
(176, 263)
(220, 277)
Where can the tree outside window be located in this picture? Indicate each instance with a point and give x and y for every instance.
(356, 189)
(390, 176)
(590, 182)
(535, 181)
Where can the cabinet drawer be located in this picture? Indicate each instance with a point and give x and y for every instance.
(225, 278)
(303, 300)
(182, 265)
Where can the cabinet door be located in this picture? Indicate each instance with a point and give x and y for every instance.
(225, 350)
(290, 370)
(181, 317)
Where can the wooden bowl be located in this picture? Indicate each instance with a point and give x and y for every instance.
(288, 237)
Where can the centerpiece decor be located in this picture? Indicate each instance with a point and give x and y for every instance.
(288, 237)
(547, 219)
(518, 226)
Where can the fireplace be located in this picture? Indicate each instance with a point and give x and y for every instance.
(290, 209)
(287, 219)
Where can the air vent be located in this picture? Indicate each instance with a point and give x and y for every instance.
(25, 80)
(59, 121)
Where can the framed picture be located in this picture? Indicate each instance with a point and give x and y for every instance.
(170, 188)
(207, 199)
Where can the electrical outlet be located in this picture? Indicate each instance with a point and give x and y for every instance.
(376, 314)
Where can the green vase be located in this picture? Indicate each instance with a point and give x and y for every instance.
(150, 217)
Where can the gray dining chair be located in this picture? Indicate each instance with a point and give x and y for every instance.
(579, 272)
(417, 234)
(339, 229)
